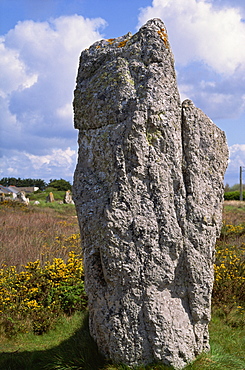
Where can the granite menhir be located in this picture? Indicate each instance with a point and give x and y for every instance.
(148, 190)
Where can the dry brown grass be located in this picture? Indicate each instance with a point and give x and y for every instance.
(29, 233)
(234, 212)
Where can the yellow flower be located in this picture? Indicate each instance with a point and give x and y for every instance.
(33, 304)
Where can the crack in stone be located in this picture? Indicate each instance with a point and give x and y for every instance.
(148, 190)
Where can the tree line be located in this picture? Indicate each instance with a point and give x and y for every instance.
(60, 184)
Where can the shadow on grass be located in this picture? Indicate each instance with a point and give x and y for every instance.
(79, 352)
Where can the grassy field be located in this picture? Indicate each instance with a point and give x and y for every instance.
(30, 233)
(43, 233)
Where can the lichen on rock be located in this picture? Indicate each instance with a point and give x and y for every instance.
(148, 189)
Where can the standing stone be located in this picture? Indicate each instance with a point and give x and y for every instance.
(50, 198)
(148, 189)
(68, 197)
(21, 197)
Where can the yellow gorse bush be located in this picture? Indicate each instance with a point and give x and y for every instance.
(230, 264)
(61, 243)
(228, 229)
(229, 269)
(39, 294)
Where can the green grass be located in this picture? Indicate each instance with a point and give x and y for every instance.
(227, 345)
(31, 342)
(70, 347)
(58, 195)
(59, 207)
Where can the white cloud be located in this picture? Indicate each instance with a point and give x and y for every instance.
(14, 75)
(207, 38)
(186, 91)
(236, 159)
(58, 157)
(237, 155)
(39, 62)
(65, 111)
(49, 51)
(200, 31)
(59, 163)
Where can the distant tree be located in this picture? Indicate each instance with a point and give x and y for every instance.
(3, 181)
(61, 184)
(6, 181)
(41, 184)
(236, 187)
(227, 188)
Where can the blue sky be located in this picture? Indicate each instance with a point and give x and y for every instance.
(40, 44)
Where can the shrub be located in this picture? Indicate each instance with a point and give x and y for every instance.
(61, 184)
(229, 230)
(33, 298)
(233, 195)
(229, 283)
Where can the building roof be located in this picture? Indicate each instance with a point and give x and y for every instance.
(27, 189)
(14, 189)
(8, 189)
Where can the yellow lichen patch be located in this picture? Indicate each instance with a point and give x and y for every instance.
(122, 44)
(164, 37)
(98, 46)
(110, 41)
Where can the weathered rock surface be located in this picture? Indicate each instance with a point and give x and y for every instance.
(148, 189)
(21, 197)
(50, 198)
(68, 197)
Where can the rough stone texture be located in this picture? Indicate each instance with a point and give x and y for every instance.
(148, 189)
(50, 198)
(21, 197)
(68, 197)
